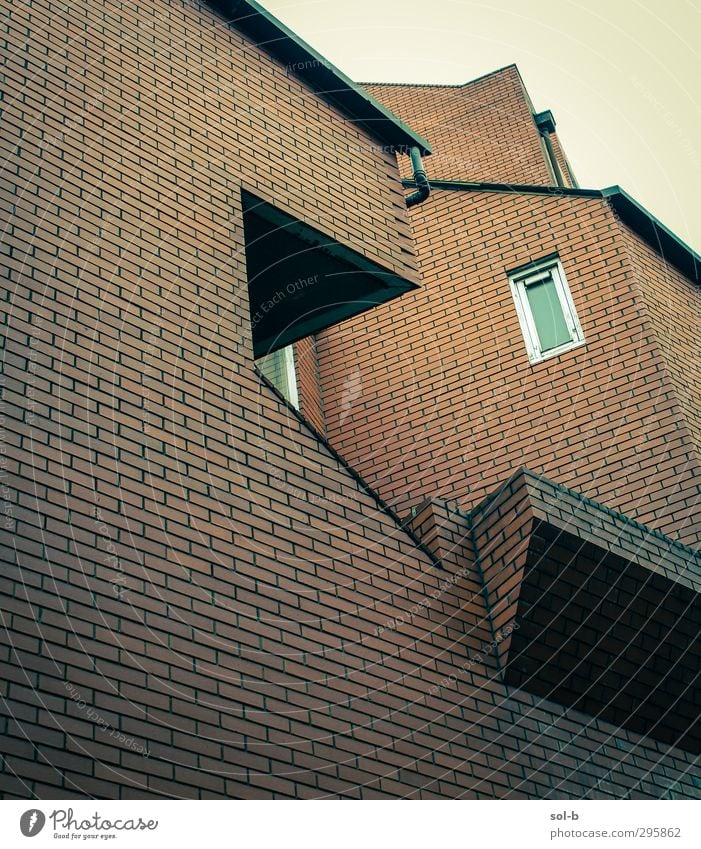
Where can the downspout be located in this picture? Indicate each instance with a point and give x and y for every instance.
(553, 159)
(423, 187)
(545, 123)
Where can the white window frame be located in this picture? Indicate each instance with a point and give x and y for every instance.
(290, 375)
(519, 281)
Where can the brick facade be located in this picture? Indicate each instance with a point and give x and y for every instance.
(674, 311)
(309, 385)
(448, 368)
(483, 130)
(200, 598)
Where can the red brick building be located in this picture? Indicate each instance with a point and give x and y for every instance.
(614, 412)
(468, 567)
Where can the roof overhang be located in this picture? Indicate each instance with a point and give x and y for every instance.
(661, 238)
(331, 84)
(301, 281)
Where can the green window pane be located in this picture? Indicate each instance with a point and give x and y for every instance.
(274, 367)
(547, 314)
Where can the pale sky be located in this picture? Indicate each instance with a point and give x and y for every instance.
(622, 77)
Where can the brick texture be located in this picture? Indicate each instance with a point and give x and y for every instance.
(607, 610)
(199, 598)
(308, 383)
(449, 403)
(481, 131)
(674, 311)
(562, 161)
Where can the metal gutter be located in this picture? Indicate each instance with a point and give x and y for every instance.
(420, 179)
(511, 188)
(331, 84)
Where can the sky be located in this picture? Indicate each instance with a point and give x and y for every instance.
(622, 77)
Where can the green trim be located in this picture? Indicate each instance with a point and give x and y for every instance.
(331, 84)
(653, 231)
(545, 121)
(508, 188)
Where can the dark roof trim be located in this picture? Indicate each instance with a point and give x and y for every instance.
(670, 247)
(666, 243)
(271, 35)
(349, 282)
(509, 188)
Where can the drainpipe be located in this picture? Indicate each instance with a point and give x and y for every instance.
(546, 125)
(423, 187)
(553, 159)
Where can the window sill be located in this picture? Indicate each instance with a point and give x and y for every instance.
(556, 352)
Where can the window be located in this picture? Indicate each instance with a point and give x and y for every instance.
(279, 368)
(545, 309)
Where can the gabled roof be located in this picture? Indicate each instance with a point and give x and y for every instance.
(509, 67)
(331, 84)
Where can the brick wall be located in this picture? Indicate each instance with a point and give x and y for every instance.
(562, 160)
(199, 598)
(449, 403)
(308, 384)
(480, 131)
(673, 305)
(607, 610)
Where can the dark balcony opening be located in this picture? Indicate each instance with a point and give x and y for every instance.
(302, 281)
(608, 636)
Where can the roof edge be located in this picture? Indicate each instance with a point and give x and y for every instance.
(655, 233)
(659, 237)
(330, 83)
(509, 188)
(446, 85)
